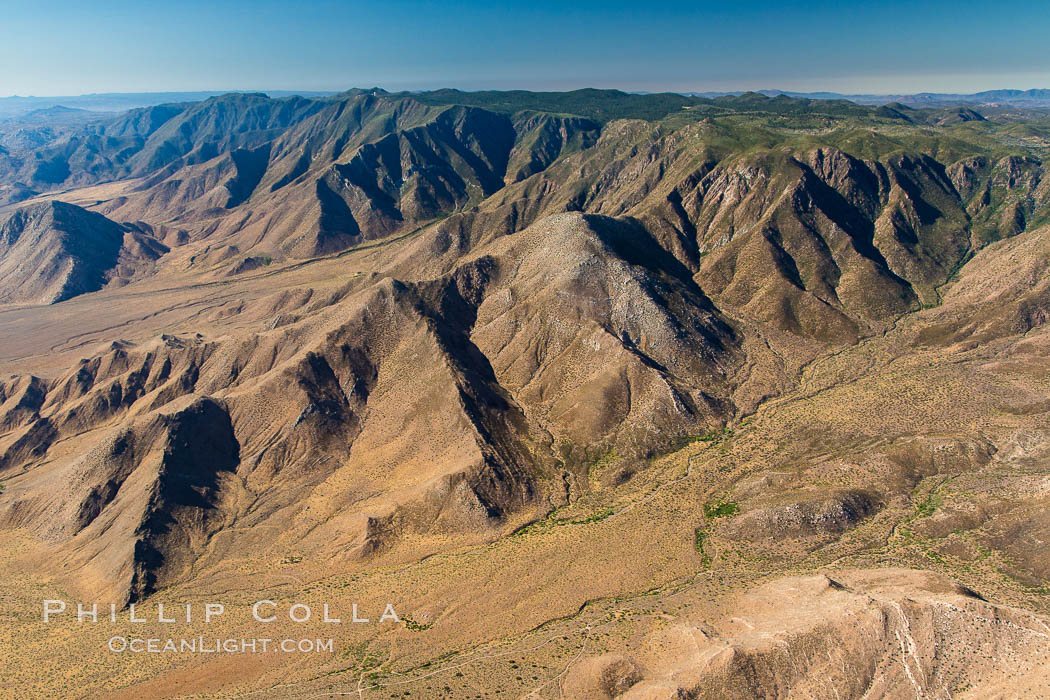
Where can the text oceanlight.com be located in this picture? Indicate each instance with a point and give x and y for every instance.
(202, 645)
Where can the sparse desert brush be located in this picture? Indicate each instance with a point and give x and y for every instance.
(721, 509)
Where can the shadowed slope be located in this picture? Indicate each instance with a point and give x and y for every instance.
(52, 251)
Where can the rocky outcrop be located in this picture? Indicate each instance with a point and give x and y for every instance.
(852, 634)
(802, 515)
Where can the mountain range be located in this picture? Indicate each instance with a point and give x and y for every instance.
(1035, 98)
(617, 395)
(16, 108)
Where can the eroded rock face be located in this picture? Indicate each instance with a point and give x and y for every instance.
(805, 514)
(600, 677)
(601, 335)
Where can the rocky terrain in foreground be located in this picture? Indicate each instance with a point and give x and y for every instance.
(615, 395)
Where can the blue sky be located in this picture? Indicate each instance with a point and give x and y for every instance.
(63, 48)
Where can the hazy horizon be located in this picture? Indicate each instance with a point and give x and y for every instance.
(292, 91)
(126, 47)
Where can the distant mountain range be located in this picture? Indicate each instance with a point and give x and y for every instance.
(19, 107)
(1007, 98)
